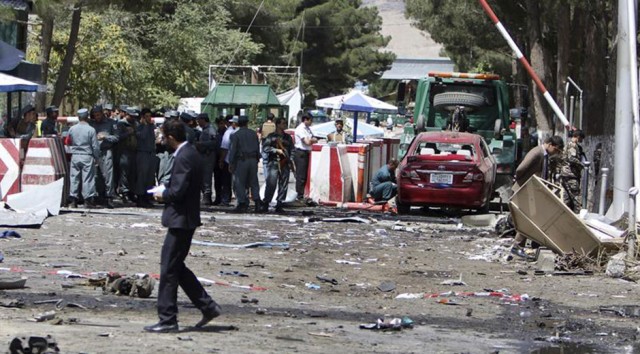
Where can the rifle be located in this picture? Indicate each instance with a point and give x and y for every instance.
(283, 161)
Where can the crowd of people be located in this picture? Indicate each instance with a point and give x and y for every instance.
(119, 154)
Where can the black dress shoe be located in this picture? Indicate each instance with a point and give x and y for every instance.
(162, 328)
(208, 316)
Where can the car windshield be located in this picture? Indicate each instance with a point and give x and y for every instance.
(438, 148)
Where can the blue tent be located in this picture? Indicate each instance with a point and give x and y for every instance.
(356, 101)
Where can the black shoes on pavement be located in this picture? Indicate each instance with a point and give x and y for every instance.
(162, 328)
(208, 316)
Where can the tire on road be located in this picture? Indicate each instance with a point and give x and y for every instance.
(403, 208)
(448, 101)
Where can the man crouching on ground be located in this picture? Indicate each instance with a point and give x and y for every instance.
(181, 216)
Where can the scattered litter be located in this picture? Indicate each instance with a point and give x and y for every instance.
(67, 274)
(342, 261)
(622, 311)
(616, 265)
(395, 324)
(9, 233)
(52, 301)
(185, 339)
(246, 300)
(290, 338)
(12, 283)
(502, 294)
(469, 312)
(327, 279)
(140, 285)
(261, 311)
(60, 265)
(483, 220)
(287, 286)
(352, 219)
(45, 316)
(382, 232)
(387, 286)
(312, 286)
(454, 282)
(140, 225)
(221, 283)
(106, 334)
(284, 245)
(33, 345)
(234, 273)
(12, 303)
(448, 302)
(320, 334)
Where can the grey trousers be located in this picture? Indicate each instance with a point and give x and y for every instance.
(83, 170)
(104, 177)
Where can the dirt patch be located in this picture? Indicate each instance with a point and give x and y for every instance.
(282, 304)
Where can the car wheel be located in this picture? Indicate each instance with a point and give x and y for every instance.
(450, 100)
(403, 208)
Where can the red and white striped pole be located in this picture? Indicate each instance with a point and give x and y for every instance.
(525, 63)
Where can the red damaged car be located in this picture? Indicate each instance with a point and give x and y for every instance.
(446, 169)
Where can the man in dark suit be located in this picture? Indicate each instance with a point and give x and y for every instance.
(181, 216)
(535, 162)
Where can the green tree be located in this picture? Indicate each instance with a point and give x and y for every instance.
(541, 30)
(146, 53)
(336, 42)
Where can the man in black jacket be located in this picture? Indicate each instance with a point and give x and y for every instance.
(181, 216)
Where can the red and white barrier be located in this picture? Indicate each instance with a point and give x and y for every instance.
(375, 156)
(359, 155)
(330, 174)
(43, 163)
(9, 167)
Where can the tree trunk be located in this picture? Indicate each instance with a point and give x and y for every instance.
(45, 53)
(564, 49)
(594, 72)
(65, 69)
(537, 59)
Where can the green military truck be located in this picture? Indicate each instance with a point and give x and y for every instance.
(483, 101)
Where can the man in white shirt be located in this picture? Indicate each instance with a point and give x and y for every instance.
(223, 161)
(303, 141)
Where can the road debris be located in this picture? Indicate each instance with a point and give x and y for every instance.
(12, 303)
(44, 316)
(395, 324)
(33, 345)
(327, 279)
(387, 286)
(9, 233)
(8, 283)
(454, 282)
(284, 245)
(234, 273)
(312, 286)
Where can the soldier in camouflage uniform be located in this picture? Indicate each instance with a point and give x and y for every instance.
(571, 172)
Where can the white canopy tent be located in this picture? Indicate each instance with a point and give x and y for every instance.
(356, 101)
(365, 131)
(10, 83)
